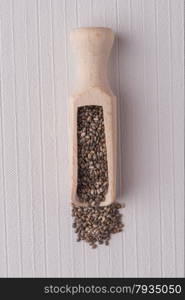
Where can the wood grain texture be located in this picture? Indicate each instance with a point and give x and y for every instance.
(147, 76)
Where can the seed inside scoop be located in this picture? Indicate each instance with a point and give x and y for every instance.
(93, 224)
(92, 183)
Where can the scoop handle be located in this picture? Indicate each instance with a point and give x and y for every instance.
(91, 47)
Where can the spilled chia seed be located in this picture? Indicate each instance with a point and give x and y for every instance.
(93, 223)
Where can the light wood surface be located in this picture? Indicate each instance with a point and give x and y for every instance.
(146, 72)
(91, 48)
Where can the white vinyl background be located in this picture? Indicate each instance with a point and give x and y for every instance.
(146, 74)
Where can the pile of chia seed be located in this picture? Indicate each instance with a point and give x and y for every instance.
(93, 223)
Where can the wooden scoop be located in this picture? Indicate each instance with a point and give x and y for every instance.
(92, 46)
